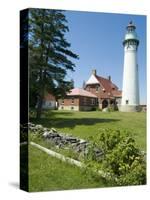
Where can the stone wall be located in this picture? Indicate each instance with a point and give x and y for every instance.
(64, 141)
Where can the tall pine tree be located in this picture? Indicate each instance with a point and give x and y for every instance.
(49, 55)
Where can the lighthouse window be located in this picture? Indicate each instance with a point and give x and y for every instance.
(127, 101)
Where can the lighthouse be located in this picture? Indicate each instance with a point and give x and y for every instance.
(130, 91)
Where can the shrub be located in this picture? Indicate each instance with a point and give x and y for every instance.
(121, 158)
(93, 109)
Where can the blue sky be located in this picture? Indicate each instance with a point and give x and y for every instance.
(97, 39)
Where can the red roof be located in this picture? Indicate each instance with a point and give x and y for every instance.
(117, 93)
(106, 84)
(109, 88)
(80, 92)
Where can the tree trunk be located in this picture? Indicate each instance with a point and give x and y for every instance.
(42, 94)
(39, 107)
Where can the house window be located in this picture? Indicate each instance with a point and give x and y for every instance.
(84, 100)
(72, 108)
(88, 88)
(97, 88)
(93, 101)
(72, 100)
(62, 107)
(127, 101)
(62, 101)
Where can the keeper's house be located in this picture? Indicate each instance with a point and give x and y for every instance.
(79, 100)
(107, 92)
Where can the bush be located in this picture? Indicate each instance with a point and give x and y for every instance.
(121, 158)
(93, 109)
(113, 108)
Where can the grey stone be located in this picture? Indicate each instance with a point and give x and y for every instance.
(31, 125)
(105, 109)
(53, 135)
(53, 130)
(64, 141)
(45, 129)
(38, 126)
(46, 134)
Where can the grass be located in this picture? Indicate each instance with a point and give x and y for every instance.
(85, 124)
(47, 173)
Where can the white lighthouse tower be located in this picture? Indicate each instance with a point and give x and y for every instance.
(130, 91)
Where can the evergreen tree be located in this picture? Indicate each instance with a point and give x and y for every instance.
(71, 84)
(49, 55)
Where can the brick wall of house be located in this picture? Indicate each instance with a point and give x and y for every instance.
(92, 89)
(96, 90)
(88, 101)
(69, 101)
(78, 102)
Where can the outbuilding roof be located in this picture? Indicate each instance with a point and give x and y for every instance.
(80, 92)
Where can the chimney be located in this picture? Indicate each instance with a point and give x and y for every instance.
(94, 72)
(109, 78)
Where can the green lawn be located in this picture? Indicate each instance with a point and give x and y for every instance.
(47, 173)
(85, 124)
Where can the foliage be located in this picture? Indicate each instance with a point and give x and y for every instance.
(49, 55)
(113, 108)
(94, 109)
(121, 158)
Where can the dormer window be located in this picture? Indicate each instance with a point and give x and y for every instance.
(97, 88)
